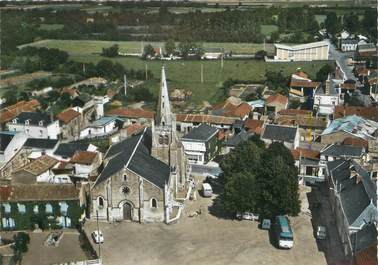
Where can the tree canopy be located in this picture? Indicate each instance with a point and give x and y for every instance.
(261, 180)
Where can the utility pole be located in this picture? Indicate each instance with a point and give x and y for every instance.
(264, 44)
(84, 68)
(125, 84)
(201, 72)
(222, 61)
(146, 71)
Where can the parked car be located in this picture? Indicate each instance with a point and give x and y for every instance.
(98, 237)
(321, 232)
(207, 191)
(247, 216)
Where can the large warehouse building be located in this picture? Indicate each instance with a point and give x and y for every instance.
(303, 52)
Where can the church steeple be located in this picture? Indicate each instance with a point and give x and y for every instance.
(164, 114)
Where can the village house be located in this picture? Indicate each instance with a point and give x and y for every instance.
(37, 147)
(85, 164)
(353, 199)
(144, 175)
(302, 87)
(186, 122)
(307, 162)
(22, 206)
(65, 151)
(232, 107)
(132, 116)
(70, 122)
(370, 113)
(9, 113)
(373, 85)
(327, 97)
(235, 140)
(275, 103)
(37, 171)
(349, 127)
(287, 135)
(103, 126)
(366, 49)
(90, 107)
(348, 45)
(201, 144)
(253, 126)
(35, 125)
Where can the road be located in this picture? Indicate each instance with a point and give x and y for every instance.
(342, 60)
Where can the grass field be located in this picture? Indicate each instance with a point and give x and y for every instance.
(81, 47)
(186, 74)
(51, 26)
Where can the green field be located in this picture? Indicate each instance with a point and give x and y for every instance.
(81, 47)
(186, 74)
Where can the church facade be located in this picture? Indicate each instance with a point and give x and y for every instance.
(142, 175)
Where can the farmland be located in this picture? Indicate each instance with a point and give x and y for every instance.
(185, 74)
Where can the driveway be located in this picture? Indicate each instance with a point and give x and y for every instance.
(342, 59)
(206, 239)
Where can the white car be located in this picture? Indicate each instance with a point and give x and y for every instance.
(98, 237)
(321, 233)
(247, 216)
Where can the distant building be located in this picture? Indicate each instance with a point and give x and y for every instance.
(301, 86)
(35, 125)
(9, 113)
(101, 127)
(276, 103)
(348, 45)
(302, 52)
(327, 97)
(287, 135)
(71, 122)
(185, 122)
(201, 144)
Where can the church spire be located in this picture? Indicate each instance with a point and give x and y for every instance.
(164, 114)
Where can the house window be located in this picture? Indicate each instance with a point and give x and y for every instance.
(21, 208)
(153, 203)
(27, 131)
(40, 132)
(63, 207)
(7, 207)
(8, 222)
(35, 209)
(100, 202)
(49, 208)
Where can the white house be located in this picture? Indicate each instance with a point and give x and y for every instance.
(103, 126)
(85, 163)
(347, 45)
(327, 97)
(35, 125)
(38, 147)
(287, 135)
(200, 144)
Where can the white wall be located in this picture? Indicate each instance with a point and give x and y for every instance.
(97, 131)
(13, 147)
(51, 131)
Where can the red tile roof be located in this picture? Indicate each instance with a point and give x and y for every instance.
(132, 113)
(83, 157)
(68, 115)
(201, 118)
(304, 84)
(356, 142)
(277, 98)
(370, 113)
(349, 86)
(305, 153)
(367, 256)
(254, 126)
(14, 110)
(134, 129)
(294, 112)
(301, 74)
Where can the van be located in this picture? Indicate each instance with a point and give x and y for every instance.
(207, 191)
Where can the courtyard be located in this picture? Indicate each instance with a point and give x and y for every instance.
(208, 238)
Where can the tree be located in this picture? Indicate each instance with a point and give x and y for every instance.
(323, 72)
(170, 47)
(351, 22)
(112, 51)
(21, 241)
(332, 23)
(148, 51)
(276, 81)
(260, 180)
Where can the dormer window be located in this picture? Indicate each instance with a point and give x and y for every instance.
(40, 123)
(27, 122)
(14, 121)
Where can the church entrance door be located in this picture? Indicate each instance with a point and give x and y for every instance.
(127, 211)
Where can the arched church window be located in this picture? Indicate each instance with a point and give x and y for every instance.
(124, 177)
(153, 203)
(100, 202)
(161, 139)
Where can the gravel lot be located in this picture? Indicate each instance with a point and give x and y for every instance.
(206, 239)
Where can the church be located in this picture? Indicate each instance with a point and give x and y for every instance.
(143, 175)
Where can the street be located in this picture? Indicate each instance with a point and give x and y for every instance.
(342, 59)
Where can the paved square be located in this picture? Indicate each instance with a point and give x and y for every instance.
(205, 239)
